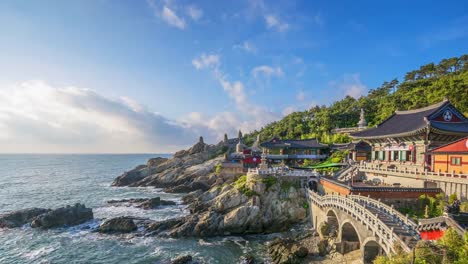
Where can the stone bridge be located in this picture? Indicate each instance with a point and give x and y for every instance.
(363, 223)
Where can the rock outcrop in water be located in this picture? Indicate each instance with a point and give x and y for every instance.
(63, 216)
(144, 203)
(20, 217)
(47, 218)
(118, 225)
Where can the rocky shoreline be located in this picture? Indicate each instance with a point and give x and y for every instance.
(218, 205)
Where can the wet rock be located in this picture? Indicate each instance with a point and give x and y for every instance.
(287, 250)
(118, 225)
(20, 217)
(154, 202)
(247, 259)
(144, 203)
(64, 216)
(182, 260)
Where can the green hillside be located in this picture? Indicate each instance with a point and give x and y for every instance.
(425, 86)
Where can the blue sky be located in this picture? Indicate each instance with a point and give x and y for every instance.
(183, 68)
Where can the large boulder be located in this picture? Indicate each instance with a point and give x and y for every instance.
(118, 225)
(64, 216)
(20, 217)
(182, 260)
(287, 250)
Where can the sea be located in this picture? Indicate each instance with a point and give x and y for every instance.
(52, 181)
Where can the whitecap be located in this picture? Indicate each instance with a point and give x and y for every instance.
(35, 254)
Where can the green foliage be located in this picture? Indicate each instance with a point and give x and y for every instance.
(451, 248)
(269, 181)
(305, 205)
(241, 185)
(286, 185)
(464, 207)
(435, 207)
(218, 168)
(452, 198)
(427, 85)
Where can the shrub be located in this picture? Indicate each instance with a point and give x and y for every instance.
(269, 181)
(241, 185)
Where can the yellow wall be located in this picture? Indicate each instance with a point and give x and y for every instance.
(442, 163)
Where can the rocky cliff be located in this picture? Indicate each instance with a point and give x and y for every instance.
(187, 171)
(242, 207)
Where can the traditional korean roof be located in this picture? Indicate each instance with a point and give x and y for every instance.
(356, 145)
(442, 117)
(293, 143)
(459, 146)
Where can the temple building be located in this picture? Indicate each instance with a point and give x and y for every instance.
(406, 136)
(358, 150)
(451, 158)
(294, 150)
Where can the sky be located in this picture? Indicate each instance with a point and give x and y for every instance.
(151, 76)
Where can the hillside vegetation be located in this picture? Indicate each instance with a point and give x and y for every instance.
(425, 86)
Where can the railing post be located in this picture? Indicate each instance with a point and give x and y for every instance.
(406, 219)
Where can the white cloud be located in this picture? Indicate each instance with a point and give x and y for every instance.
(274, 22)
(267, 71)
(247, 47)
(171, 18)
(36, 117)
(248, 117)
(206, 61)
(194, 12)
(351, 85)
(300, 96)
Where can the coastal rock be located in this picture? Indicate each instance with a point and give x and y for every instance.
(118, 225)
(20, 217)
(186, 188)
(232, 210)
(64, 216)
(182, 260)
(287, 251)
(144, 203)
(186, 171)
(130, 177)
(154, 162)
(247, 259)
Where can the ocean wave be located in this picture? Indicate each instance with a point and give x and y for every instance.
(36, 254)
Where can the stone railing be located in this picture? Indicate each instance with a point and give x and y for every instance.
(388, 238)
(279, 172)
(416, 172)
(387, 209)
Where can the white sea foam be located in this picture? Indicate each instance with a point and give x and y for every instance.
(35, 254)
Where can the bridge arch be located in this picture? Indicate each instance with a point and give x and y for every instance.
(349, 237)
(371, 249)
(329, 227)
